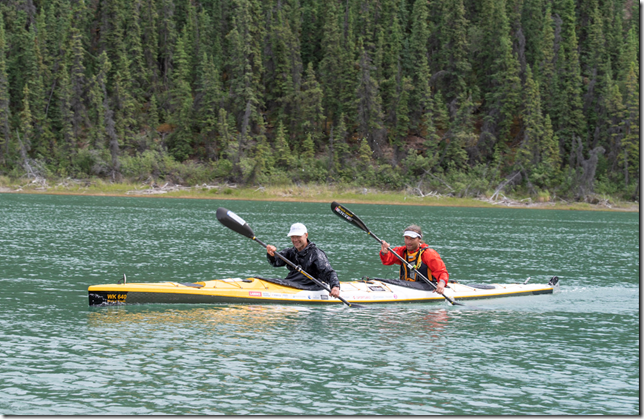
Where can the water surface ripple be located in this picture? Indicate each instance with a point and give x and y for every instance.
(573, 353)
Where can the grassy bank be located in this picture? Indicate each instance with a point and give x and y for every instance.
(303, 193)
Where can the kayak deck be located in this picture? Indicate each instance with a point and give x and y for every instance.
(261, 291)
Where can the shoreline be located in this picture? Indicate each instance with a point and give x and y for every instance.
(310, 193)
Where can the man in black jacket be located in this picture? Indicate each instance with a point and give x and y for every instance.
(309, 257)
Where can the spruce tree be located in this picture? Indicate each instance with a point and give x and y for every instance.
(544, 72)
(5, 112)
(139, 70)
(532, 24)
(420, 97)
(26, 121)
(283, 155)
(369, 107)
(502, 84)
(631, 140)
(570, 117)
(182, 102)
(245, 65)
(283, 65)
(337, 74)
(310, 113)
(207, 104)
(453, 50)
(66, 145)
(530, 150)
(150, 44)
(77, 83)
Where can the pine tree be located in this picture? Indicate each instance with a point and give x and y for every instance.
(32, 61)
(341, 152)
(96, 133)
(207, 104)
(263, 160)
(283, 155)
(337, 74)
(65, 97)
(26, 121)
(390, 70)
(631, 140)
(310, 113)
(545, 70)
(311, 35)
(77, 83)
(597, 71)
(460, 136)
(308, 149)
(569, 115)
(550, 156)
(245, 67)
(283, 64)
(5, 112)
(453, 49)
(150, 44)
(182, 102)
(402, 121)
(530, 150)
(364, 153)
(167, 39)
(420, 97)
(501, 78)
(139, 70)
(108, 117)
(369, 107)
(224, 135)
(533, 20)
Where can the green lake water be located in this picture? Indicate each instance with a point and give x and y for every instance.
(573, 353)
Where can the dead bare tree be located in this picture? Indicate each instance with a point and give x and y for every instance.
(586, 178)
(32, 167)
(503, 184)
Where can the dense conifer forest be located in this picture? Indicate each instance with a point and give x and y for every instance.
(457, 96)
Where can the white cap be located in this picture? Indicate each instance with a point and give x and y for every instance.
(297, 229)
(412, 234)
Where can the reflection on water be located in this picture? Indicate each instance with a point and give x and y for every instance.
(251, 316)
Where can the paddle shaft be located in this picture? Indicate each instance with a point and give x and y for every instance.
(303, 272)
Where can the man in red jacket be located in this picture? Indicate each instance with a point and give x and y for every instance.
(427, 261)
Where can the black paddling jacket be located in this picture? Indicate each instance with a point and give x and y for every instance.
(313, 261)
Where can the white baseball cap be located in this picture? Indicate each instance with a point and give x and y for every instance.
(297, 229)
(411, 234)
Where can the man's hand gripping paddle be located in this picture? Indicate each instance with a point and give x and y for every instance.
(351, 218)
(238, 225)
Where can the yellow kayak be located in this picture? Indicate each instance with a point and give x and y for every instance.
(262, 291)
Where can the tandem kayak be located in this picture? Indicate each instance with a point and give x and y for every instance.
(262, 291)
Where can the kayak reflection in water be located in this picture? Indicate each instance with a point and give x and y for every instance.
(415, 251)
(309, 257)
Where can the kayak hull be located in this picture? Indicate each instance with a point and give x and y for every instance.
(261, 291)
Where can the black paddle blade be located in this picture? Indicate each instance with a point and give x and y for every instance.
(234, 222)
(347, 215)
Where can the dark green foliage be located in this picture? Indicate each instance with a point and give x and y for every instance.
(450, 95)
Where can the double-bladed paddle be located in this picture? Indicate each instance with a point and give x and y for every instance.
(344, 213)
(238, 225)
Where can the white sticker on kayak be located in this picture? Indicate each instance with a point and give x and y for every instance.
(236, 218)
